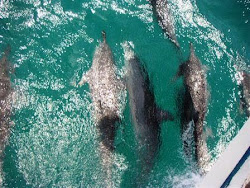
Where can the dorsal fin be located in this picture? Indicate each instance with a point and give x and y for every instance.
(163, 115)
(182, 68)
(104, 36)
(180, 71)
(85, 78)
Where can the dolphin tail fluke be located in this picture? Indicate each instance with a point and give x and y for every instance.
(85, 78)
(163, 115)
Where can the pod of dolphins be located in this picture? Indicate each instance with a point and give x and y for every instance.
(106, 87)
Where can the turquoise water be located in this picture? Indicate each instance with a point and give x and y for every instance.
(54, 141)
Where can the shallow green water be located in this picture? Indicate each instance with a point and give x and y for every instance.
(54, 141)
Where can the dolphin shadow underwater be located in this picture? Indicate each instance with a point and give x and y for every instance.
(146, 115)
(105, 89)
(193, 109)
(5, 106)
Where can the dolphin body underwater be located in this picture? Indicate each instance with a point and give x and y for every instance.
(5, 106)
(161, 10)
(146, 116)
(195, 106)
(245, 87)
(105, 89)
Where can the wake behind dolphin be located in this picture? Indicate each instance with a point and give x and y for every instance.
(146, 116)
(161, 9)
(5, 107)
(105, 88)
(195, 106)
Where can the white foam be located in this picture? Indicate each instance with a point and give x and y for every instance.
(188, 179)
(142, 11)
(51, 133)
(191, 20)
(4, 9)
(128, 52)
(229, 159)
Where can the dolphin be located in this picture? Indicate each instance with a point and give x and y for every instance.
(5, 107)
(105, 88)
(161, 10)
(146, 115)
(195, 105)
(245, 87)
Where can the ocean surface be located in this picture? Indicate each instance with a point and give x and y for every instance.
(53, 142)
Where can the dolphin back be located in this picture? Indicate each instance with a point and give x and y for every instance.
(5, 86)
(5, 106)
(107, 129)
(195, 106)
(245, 87)
(146, 116)
(163, 14)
